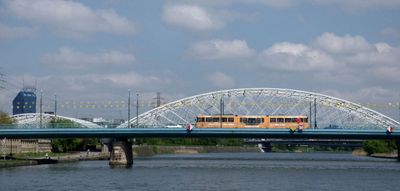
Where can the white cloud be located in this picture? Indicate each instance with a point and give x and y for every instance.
(191, 17)
(221, 80)
(71, 59)
(347, 44)
(12, 32)
(219, 49)
(269, 3)
(69, 17)
(360, 4)
(295, 57)
(382, 55)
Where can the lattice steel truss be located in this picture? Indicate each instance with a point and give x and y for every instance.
(331, 112)
(32, 120)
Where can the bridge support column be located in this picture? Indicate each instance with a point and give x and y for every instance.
(398, 149)
(265, 147)
(121, 153)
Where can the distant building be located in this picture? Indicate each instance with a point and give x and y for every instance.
(25, 101)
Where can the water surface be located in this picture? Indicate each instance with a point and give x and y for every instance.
(214, 171)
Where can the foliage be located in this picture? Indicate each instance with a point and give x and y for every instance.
(62, 123)
(70, 144)
(190, 141)
(379, 146)
(5, 119)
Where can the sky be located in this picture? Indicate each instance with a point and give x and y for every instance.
(93, 52)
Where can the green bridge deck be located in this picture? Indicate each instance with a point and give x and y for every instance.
(179, 132)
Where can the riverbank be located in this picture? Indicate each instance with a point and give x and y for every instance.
(361, 152)
(28, 159)
(138, 151)
(155, 150)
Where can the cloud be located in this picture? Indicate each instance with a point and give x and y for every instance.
(13, 32)
(126, 80)
(68, 58)
(295, 57)
(382, 55)
(221, 80)
(69, 17)
(191, 17)
(220, 49)
(269, 3)
(347, 44)
(360, 4)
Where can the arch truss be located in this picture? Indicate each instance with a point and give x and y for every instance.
(330, 112)
(32, 120)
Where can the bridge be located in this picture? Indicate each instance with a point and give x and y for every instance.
(329, 118)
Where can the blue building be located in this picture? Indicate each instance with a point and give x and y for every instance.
(25, 101)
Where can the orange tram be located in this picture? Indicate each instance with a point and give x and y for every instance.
(247, 121)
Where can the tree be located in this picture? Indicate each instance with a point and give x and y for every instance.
(70, 144)
(5, 119)
(379, 146)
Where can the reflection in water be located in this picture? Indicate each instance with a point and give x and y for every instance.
(215, 171)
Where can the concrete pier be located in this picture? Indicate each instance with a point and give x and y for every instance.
(398, 149)
(121, 153)
(265, 146)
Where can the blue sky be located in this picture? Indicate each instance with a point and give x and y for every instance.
(87, 51)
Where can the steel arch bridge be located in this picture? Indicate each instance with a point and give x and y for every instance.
(32, 120)
(331, 112)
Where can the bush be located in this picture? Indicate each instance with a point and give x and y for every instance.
(379, 146)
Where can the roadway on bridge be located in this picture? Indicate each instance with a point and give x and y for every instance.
(180, 132)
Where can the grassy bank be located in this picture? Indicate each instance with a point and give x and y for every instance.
(16, 162)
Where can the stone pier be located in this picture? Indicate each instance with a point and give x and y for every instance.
(121, 153)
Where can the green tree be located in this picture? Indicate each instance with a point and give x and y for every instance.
(6, 120)
(70, 144)
(379, 146)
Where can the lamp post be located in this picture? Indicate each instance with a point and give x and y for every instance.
(129, 108)
(41, 109)
(137, 110)
(221, 108)
(315, 112)
(310, 121)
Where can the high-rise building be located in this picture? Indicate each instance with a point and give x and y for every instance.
(25, 101)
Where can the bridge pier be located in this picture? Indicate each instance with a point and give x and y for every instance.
(121, 153)
(265, 147)
(398, 149)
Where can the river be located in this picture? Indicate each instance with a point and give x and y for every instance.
(213, 171)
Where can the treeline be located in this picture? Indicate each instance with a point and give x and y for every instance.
(379, 146)
(190, 141)
(5, 120)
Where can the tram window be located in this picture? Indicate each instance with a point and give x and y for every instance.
(230, 119)
(208, 119)
(224, 119)
(280, 120)
(305, 120)
(251, 121)
(262, 120)
(288, 120)
(215, 119)
(272, 120)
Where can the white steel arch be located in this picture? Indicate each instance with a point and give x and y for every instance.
(331, 112)
(32, 120)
